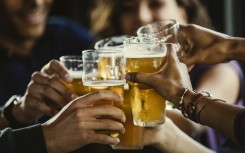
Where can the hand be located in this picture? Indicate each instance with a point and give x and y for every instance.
(203, 45)
(77, 123)
(169, 138)
(163, 136)
(170, 81)
(45, 94)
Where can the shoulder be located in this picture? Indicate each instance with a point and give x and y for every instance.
(63, 27)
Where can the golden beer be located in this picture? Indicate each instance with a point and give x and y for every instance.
(102, 85)
(147, 106)
(77, 85)
(133, 136)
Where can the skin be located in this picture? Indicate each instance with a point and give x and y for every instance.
(76, 125)
(45, 95)
(167, 136)
(174, 76)
(22, 22)
(140, 12)
(200, 44)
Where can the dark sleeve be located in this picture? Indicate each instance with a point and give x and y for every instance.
(239, 128)
(25, 140)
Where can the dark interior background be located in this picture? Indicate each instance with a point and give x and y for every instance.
(228, 16)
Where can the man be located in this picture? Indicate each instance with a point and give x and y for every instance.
(29, 40)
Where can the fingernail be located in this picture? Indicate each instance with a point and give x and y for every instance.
(68, 77)
(117, 140)
(127, 77)
(74, 96)
(121, 98)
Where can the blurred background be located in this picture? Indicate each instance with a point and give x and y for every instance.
(228, 16)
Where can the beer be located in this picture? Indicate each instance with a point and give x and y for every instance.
(133, 136)
(107, 85)
(77, 85)
(148, 107)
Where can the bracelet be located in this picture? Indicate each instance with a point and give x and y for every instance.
(191, 111)
(181, 103)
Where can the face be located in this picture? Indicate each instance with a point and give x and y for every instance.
(23, 19)
(136, 13)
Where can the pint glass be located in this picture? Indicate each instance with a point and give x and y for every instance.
(165, 30)
(133, 137)
(104, 70)
(145, 56)
(74, 65)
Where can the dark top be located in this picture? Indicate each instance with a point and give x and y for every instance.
(62, 37)
(25, 140)
(212, 138)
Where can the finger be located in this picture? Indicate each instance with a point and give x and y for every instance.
(96, 96)
(105, 125)
(36, 108)
(47, 94)
(138, 77)
(55, 67)
(103, 110)
(103, 139)
(171, 54)
(53, 83)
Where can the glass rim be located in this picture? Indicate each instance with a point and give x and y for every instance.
(103, 50)
(108, 40)
(175, 24)
(148, 41)
(71, 58)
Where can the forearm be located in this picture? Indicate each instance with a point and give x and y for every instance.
(216, 114)
(236, 48)
(179, 142)
(3, 122)
(26, 140)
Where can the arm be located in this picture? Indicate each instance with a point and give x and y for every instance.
(169, 138)
(75, 126)
(45, 95)
(174, 76)
(200, 43)
(20, 140)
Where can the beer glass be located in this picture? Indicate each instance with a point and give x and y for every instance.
(133, 137)
(111, 42)
(104, 70)
(74, 65)
(145, 56)
(165, 30)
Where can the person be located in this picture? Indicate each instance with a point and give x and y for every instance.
(75, 126)
(229, 119)
(197, 51)
(28, 40)
(125, 17)
(77, 121)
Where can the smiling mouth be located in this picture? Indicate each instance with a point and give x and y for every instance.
(34, 18)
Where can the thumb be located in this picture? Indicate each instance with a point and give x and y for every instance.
(172, 53)
(138, 77)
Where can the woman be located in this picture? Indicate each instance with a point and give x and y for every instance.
(125, 17)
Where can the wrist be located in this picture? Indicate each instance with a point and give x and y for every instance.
(235, 48)
(8, 113)
(49, 141)
(20, 115)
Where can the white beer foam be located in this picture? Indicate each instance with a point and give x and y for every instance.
(76, 74)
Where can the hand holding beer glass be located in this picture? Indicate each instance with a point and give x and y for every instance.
(133, 137)
(74, 65)
(145, 55)
(104, 70)
(166, 31)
